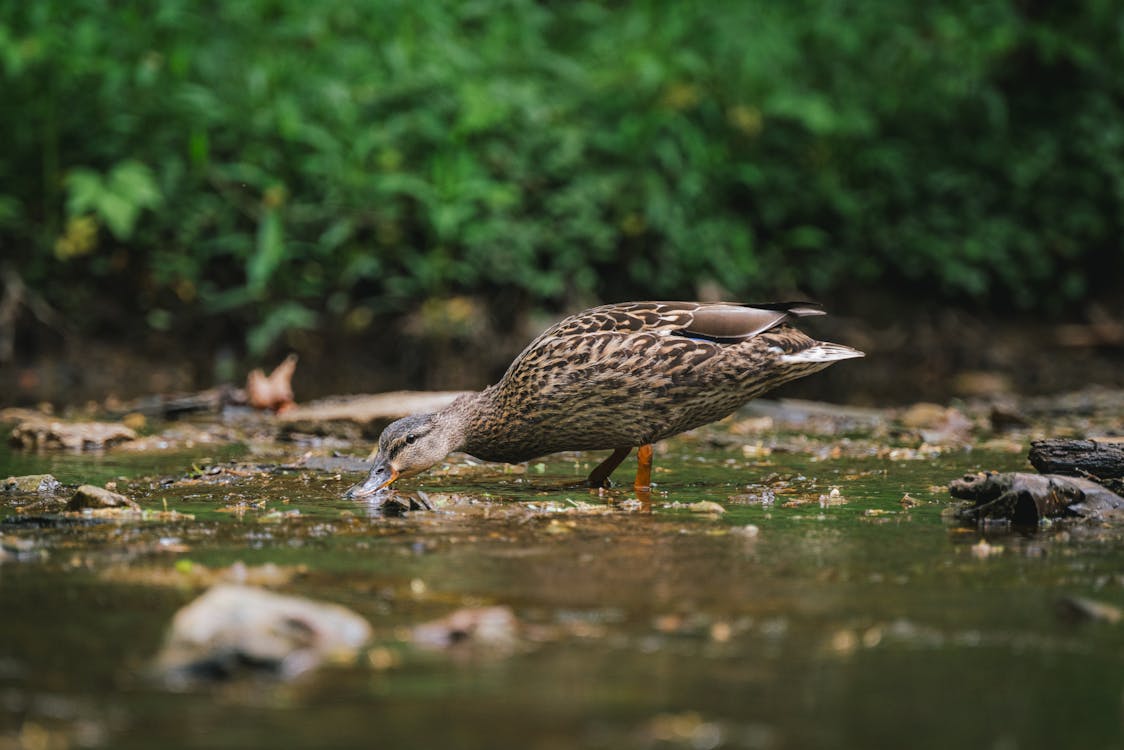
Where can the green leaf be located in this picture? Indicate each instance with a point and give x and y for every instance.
(84, 188)
(282, 318)
(269, 252)
(118, 213)
(134, 182)
(11, 209)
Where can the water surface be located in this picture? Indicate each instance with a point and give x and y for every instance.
(790, 621)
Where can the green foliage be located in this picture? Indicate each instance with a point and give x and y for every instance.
(117, 198)
(277, 164)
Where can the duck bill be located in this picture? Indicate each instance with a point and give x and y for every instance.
(381, 476)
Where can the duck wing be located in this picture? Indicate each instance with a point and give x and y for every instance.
(723, 322)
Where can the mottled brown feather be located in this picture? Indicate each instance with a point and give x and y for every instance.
(629, 374)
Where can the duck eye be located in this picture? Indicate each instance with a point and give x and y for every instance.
(411, 438)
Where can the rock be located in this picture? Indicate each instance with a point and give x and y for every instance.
(482, 626)
(703, 507)
(182, 436)
(14, 414)
(396, 503)
(92, 496)
(188, 574)
(35, 431)
(980, 383)
(909, 501)
(706, 506)
(923, 415)
(1007, 417)
(18, 549)
(332, 464)
(361, 417)
(1078, 608)
(43, 484)
(937, 424)
(792, 412)
(233, 631)
(134, 420)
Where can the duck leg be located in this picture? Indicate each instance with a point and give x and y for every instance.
(599, 477)
(643, 468)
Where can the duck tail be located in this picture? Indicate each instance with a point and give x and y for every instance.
(822, 351)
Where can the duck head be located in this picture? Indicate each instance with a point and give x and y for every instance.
(408, 447)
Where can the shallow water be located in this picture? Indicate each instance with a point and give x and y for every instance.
(850, 621)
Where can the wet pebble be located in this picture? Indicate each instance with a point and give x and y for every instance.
(92, 496)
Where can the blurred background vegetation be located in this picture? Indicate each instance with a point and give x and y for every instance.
(235, 174)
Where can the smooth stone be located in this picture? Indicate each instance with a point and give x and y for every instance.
(234, 630)
(92, 496)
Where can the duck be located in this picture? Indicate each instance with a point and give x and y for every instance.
(616, 377)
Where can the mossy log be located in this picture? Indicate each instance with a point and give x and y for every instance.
(1026, 499)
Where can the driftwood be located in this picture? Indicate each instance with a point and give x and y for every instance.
(180, 404)
(38, 431)
(360, 417)
(1026, 499)
(1088, 458)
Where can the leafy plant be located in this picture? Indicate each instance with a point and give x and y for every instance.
(271, 165)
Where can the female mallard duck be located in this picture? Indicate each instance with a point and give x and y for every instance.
(613, 377)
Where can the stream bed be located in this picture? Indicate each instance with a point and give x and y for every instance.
(774, 591)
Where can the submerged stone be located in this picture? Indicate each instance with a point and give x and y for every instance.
(233, 631)
(1079, 608)
(14, 548)
(481, 626)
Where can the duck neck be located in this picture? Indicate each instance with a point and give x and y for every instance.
(463, 416)
(472, 418)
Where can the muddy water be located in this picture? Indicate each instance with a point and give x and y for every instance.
(790, 621)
